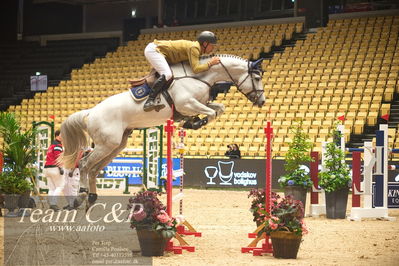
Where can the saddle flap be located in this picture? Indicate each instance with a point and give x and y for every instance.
(141, 92)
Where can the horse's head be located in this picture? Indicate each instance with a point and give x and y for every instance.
(251, 84)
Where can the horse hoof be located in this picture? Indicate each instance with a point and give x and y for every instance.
(188, 125)
(92, 198)
(200, 123)
(79, 200)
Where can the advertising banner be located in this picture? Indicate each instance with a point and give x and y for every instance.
(116, 170)
(393, 195)
(230, 173)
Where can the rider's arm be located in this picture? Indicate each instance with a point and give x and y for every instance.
(193, 58)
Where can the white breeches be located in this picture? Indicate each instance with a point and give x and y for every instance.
(71, 188)
(55, 183)
(157, 60)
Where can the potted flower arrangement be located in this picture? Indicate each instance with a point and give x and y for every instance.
(335, 179)
(19, 158)
(153, 225)
(285, 226)
(257, 204)
(13, 187)
(297, 181)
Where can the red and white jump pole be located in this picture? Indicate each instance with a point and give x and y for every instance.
(185, 228)
(169, 129)
(169, 166)
(182, 134)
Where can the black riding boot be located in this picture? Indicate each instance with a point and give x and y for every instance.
(150, 104)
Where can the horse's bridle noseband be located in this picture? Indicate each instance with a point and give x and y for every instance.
(251, 71)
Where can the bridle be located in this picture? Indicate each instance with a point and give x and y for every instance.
(253, 95)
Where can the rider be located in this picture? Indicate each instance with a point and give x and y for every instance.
(162, 53)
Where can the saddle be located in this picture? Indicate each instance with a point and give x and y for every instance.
(149, 79)
(141, 88)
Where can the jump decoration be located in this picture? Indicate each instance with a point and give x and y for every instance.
(285, 225)
(297, 181)
(335, 178)
(153, 221)
(374, 187)
(281, 221)
(153, 225)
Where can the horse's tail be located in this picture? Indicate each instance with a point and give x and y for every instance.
(74, 138)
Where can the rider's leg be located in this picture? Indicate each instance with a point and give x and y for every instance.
(156, 88)
(159, 63)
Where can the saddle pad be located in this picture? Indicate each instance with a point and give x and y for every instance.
(140, 93)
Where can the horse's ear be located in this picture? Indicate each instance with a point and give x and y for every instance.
(257, 64)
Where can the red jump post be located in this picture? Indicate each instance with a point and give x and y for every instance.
(266, 245)
(314, 175)
(356, 178)
(1, 162)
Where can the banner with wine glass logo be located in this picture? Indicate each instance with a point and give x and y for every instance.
(230, 173)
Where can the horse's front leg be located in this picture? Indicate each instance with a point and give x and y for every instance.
(218, 107)
(194, 107)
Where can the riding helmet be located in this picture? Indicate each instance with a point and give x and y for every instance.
(207, 36)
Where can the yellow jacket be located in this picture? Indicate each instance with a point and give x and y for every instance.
(182, 50)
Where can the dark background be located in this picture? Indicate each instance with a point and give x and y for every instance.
(76, 16)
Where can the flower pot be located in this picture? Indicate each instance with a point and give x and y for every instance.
(285, 244)
(336, 202)
(11, 203)
(151, 243)
(298, 192)
(24, 200)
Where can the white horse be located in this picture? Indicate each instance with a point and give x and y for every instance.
(111, 122)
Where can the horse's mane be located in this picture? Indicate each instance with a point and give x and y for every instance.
(205, 57)
(223, 56)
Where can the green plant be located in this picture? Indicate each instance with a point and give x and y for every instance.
(336, 173)
(286, 215)
(297, 155)
(19, 150)
(10, 183)
(19, 155)
(147, 211)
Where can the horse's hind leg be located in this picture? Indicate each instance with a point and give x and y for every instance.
(101, 151)
(95, 170)
(95, 162)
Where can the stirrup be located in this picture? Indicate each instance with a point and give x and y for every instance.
(153, 106)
